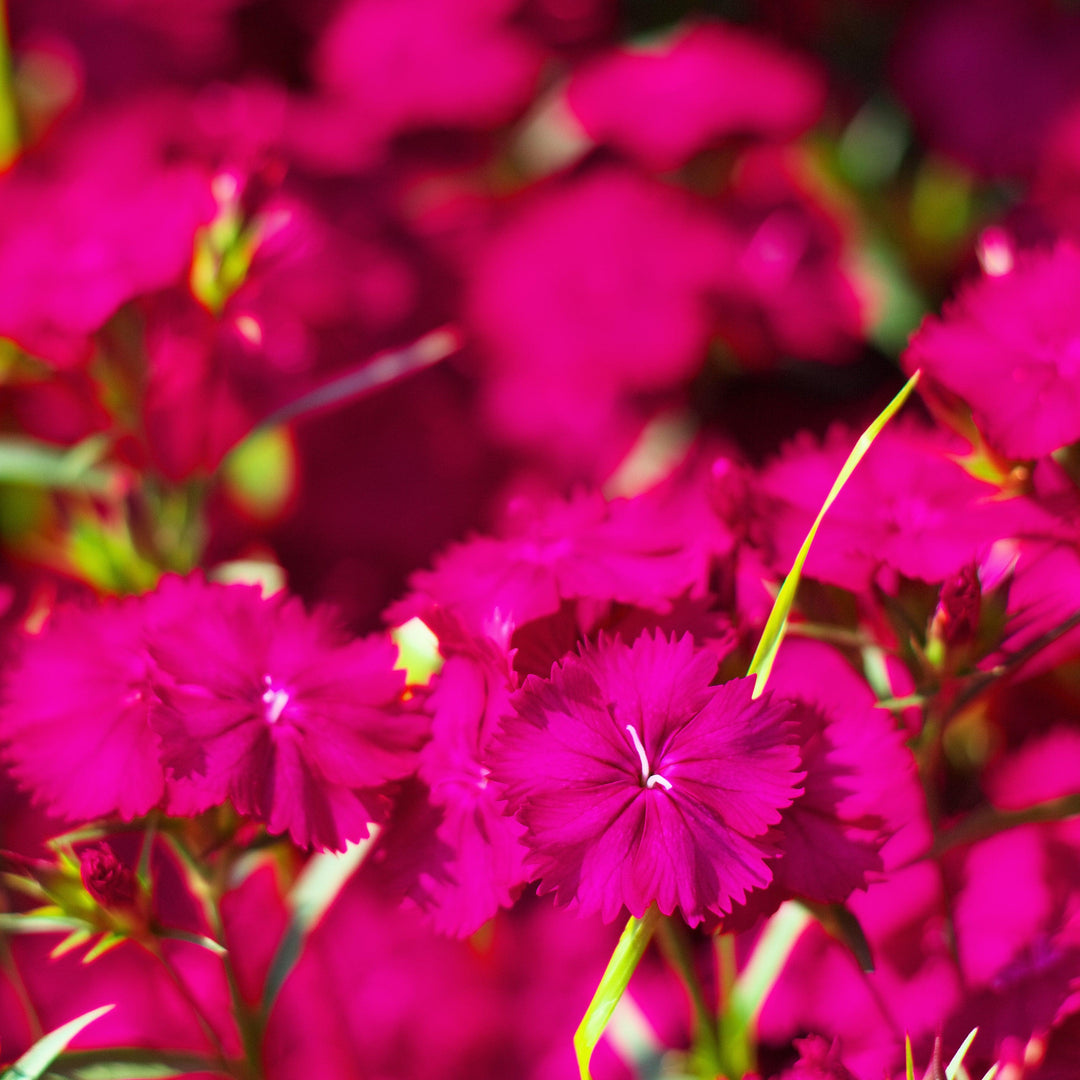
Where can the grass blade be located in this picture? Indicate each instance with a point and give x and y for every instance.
(632, 944)
(776, 625)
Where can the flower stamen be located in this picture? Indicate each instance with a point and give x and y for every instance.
(651, 779)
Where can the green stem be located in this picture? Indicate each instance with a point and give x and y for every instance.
(154, 949)
(707, 1036)
(10, 141)
(18, 984)
(982, 824)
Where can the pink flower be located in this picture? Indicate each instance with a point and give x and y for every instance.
(645, 551)
(639, 782)
(273, 708)
(450, 63)
(908, 506)
(468, 704)
(664, 104)
(1009, 345)
(74, 718)
(88, 221)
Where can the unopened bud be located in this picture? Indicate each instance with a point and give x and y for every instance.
(106, 879)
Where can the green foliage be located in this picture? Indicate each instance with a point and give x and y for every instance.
(42, 1054)
(624, 961)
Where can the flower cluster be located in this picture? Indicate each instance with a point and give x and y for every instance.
(410, 412)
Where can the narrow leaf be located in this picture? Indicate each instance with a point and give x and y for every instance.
(106, 943)
(317, 887)
(385, 369)
(128, 1063)
(42, 1054)
(39, 924)
(26, 461)
(908, 1059)
(738, 1024)
(629, 951)
(776, 625)
(958, 1058)
(201, 940)
(72, 941)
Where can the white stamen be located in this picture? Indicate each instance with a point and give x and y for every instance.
(275, 701)
(653, 779)
(636, 739)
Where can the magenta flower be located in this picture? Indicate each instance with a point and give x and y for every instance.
(74, 718)
(638, 781)
(662, 105)
(273, 708)
(469, 701)
(645, 551)
(1009, 345)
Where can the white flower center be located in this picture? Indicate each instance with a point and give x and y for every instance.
(274, 700)
(651, 779)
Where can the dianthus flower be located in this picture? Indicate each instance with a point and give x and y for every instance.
(1009, 345)
(637, 781)
(667, 102)
(267, 705)
(74, 715)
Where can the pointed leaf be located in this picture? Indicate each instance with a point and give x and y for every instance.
(106, 943)
(42, 1054)
(317, 887)
(738, 1023)
(629, 951)
(39, 924)
(72, 941)
(909, 1061)
(776, 625)
(958, 1058)
(201, 940)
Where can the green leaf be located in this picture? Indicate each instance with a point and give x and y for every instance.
(776, 626)
(958, 1058)
(629, 951)
(738, 1024)
(39, 924)
(42, 1054)
(27, 461)
(9, 117)
(908, 1059)
(128, 1063)
(201, 940)
(317, 887)
(106, 943)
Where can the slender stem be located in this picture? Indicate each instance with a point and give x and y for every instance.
(18, 984)
(707, 1036)
(9, 120)
(154, 949)
(982, 824)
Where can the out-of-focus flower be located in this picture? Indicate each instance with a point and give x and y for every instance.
(74, 719)
(666, 102)
(450, 63)
(596, 287)
(641, 551)
(1009, 345)
(908, 506)
(638, 781)
(468, 705)
(984, 79)
(274, 708)
(89, 220)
